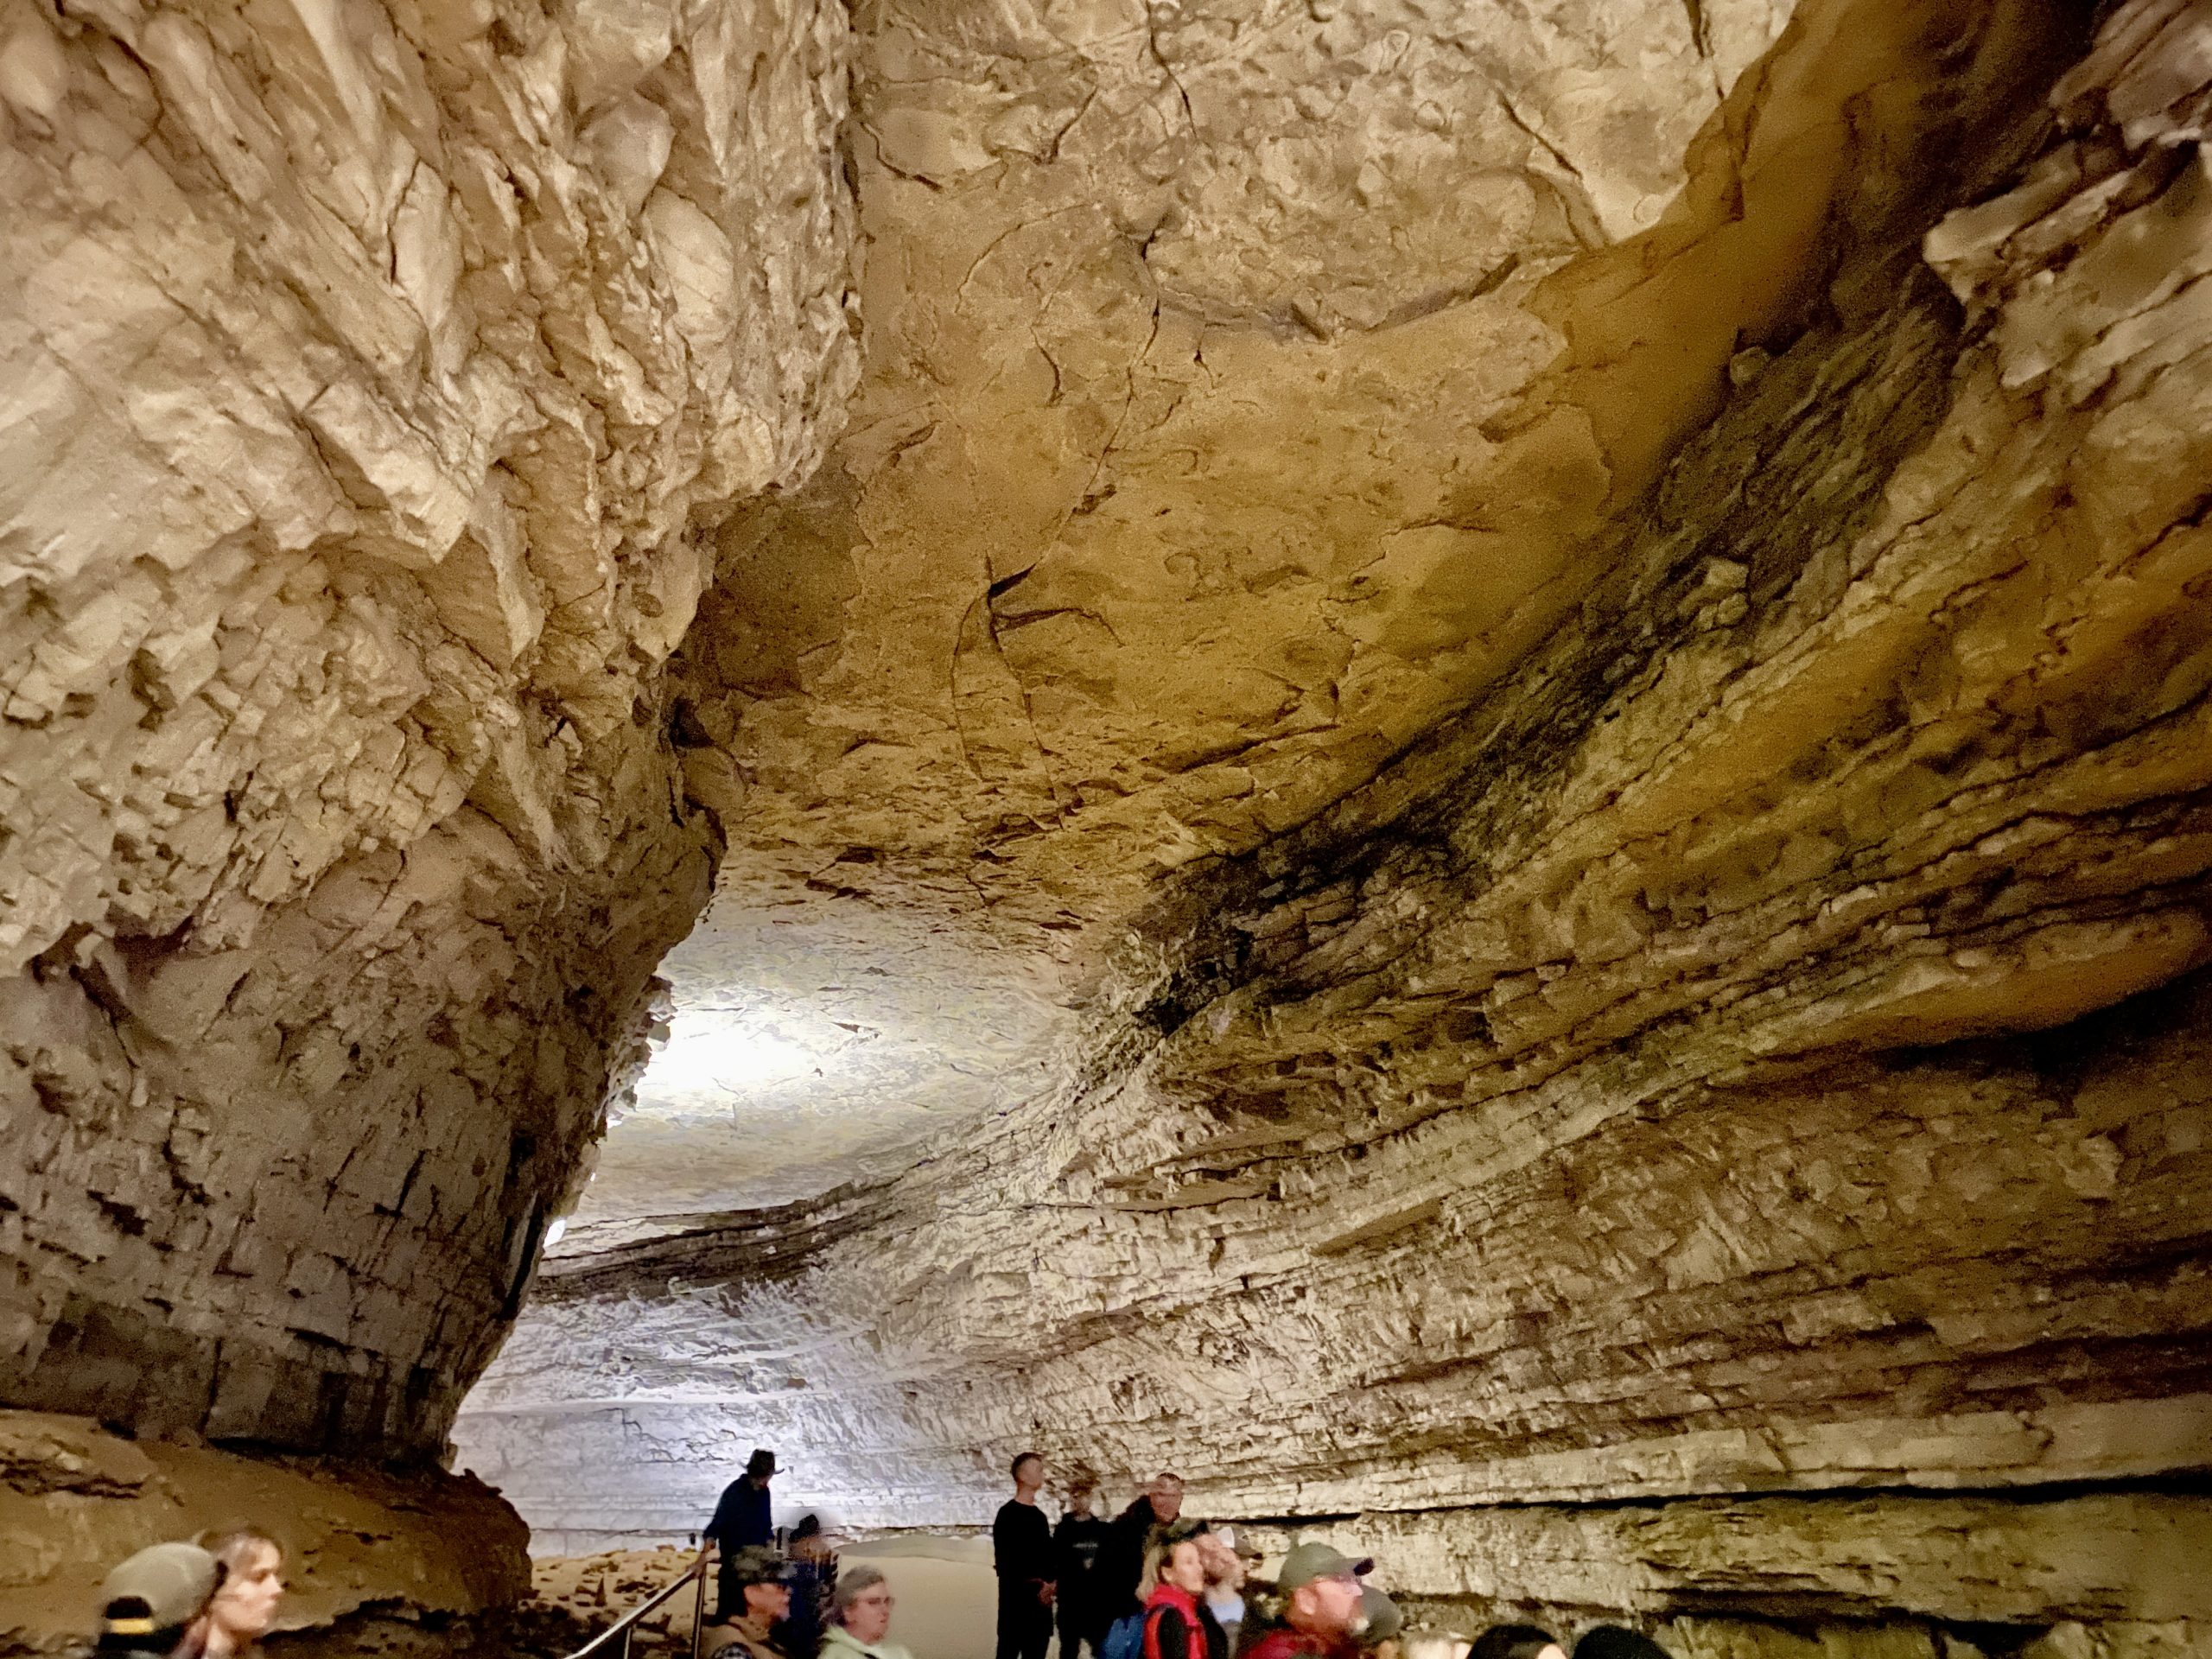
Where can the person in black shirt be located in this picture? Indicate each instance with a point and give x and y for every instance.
(1076, 1543)
(740, 1522)
(1021, 1545)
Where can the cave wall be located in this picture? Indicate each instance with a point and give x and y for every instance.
(371, 378)
(415, 1549)
(1716, 1127)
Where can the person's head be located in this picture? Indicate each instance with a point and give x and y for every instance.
(760, 1467)
(808, 1541)
(1379, 1620)
(1083, 1491)
(1166, 1495)
(1224, 1567)
(1320, 1589)
(1516, 1642)
(863, 1604)
(245, 1606)
(759, 1573)
(1612, 1642)
(149, 1601)
(1028, 1473)
(1174, 1557)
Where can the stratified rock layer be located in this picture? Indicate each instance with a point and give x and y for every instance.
(1718, 1123)
(368, 376)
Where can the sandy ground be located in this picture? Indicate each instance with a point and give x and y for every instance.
(947, 1599)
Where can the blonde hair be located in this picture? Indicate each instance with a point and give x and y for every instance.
(1155, 1557)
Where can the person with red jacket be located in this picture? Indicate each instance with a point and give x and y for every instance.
(1177, 1623)
(1321, 1609)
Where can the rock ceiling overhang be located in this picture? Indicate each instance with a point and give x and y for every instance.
(1244, 388)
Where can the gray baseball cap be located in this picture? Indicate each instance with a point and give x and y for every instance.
(1315, 1560)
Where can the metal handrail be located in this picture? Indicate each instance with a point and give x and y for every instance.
(621, 1627)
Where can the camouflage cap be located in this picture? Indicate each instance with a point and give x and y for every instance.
(756, 1564)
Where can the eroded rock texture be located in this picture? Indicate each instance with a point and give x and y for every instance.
(369, 378)
(1718, 1123)
(359, 1542)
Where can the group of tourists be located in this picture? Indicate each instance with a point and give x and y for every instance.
(1150, 1583)
(214, 1600)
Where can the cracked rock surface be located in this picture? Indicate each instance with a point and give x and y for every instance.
(370, 379)
(1455, 763)
(1710, 1127)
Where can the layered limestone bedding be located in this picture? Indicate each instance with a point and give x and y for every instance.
(1454, 764)
(1713, 1129)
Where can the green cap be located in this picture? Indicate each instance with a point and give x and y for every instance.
(756, 1564)
(1380, 1621)
(1309, 1561)
(158, 1589)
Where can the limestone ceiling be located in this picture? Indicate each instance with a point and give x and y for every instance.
(1241, 385)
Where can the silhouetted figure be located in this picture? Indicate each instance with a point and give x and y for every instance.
(1612, 1642)
(1021, 1550)
(740, 1522)
(813, 1581)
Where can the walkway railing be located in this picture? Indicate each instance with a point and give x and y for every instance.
(614, 1642)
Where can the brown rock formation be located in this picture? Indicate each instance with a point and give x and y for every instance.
(1756, 1048)
(369, 373)
(1476, 796)
(357, 1539)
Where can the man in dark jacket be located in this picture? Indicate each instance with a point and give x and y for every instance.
(1121, 1561)
(1077, 1544)
(740, 1522)
(1021, 1548)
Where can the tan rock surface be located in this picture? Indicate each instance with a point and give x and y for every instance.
(74, 1500)
(1479, 793)
(1758, 1046)
(368, 377)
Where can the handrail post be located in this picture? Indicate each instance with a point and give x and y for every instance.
(699, 1604)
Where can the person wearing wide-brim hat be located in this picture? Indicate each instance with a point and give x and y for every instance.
(741, 1521)
(156, 1601)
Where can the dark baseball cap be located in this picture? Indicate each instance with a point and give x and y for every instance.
(1314, 1559)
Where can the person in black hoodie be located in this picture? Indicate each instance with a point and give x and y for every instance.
(1021, 1549)
(1079, 1543)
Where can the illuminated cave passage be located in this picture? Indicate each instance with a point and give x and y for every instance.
(1452, 763)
